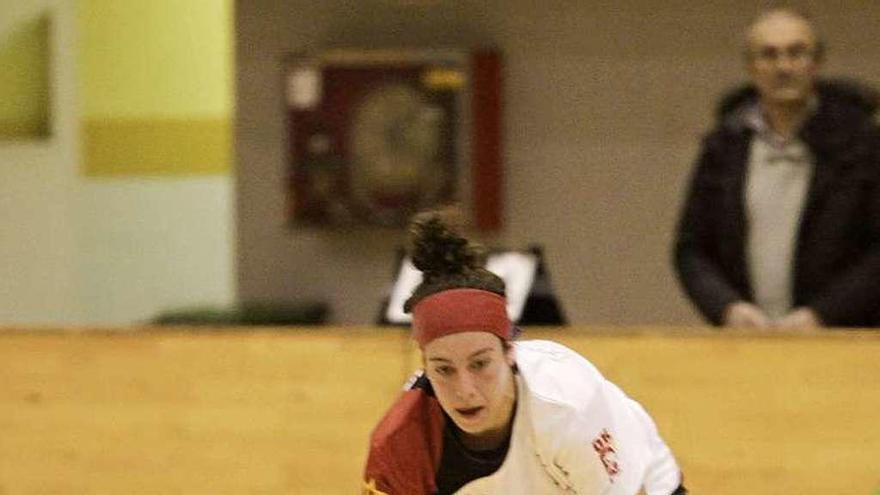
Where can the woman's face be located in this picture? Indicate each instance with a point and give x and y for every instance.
(472, 377)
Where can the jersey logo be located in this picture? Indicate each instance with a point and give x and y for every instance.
(369, 488)
(604, 446)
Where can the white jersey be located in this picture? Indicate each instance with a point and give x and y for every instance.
(577, 433)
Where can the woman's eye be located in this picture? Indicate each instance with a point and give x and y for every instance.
(443, 370)
(478, 365)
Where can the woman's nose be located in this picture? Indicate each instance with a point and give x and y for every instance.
(465, 388)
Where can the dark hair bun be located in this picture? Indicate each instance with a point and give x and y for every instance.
(437, 250)
(446, 259)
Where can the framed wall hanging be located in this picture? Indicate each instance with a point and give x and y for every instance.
(377, 135)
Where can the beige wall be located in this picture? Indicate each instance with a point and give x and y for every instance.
(605, 104)
(37, 202)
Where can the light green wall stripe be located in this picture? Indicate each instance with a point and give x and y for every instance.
(169, 147)
(156, 58)
(156, 86)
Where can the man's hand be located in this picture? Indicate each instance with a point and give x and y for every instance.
(800, 318)
(745, 315)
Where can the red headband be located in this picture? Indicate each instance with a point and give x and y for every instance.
(460, 310)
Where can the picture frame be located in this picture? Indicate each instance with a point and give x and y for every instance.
(376, 135)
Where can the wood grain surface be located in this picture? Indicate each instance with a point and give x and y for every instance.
(289, 410)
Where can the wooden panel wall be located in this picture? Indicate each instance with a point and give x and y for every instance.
(289, 410)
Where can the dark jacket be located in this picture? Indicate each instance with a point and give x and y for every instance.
(837, 256)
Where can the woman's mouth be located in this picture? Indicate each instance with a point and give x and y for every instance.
(469, 412)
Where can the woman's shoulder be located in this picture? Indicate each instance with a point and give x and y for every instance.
(557, 374)
(553, 356)
(406, 445)
(415, 413)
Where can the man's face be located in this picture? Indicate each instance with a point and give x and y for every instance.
(782, 59)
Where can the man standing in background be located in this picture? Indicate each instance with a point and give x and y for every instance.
(781, 224)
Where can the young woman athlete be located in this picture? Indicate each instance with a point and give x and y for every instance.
(492, 416)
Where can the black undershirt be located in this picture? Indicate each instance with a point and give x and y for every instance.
(460, 465)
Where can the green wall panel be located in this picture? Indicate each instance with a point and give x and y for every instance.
(24, 80)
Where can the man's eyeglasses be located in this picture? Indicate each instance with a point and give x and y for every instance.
(799, 53)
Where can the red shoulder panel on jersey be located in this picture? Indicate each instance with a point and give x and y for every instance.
(406, 446)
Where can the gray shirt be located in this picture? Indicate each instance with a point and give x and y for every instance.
(777, 179)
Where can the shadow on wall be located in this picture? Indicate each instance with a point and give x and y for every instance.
(255, 314)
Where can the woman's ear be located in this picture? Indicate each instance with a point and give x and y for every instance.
(510, 354)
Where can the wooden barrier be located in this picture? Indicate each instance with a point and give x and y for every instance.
(289, 410)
